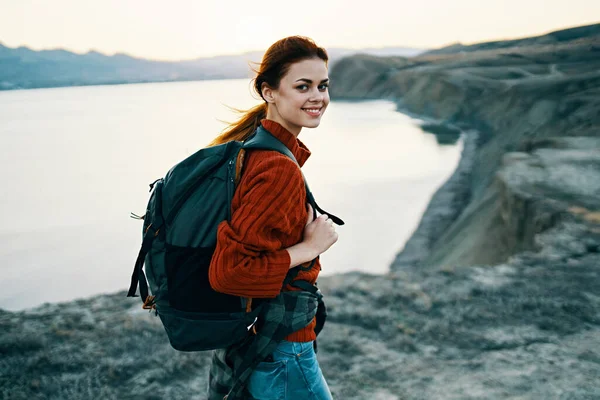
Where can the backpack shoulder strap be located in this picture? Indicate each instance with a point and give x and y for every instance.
(263, 139)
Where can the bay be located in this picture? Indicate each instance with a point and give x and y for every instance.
(76, 161)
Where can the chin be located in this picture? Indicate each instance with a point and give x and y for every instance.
(312, 124)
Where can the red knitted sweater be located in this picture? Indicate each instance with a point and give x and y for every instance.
(268, 214)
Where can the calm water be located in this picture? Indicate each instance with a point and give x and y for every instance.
(76, 161)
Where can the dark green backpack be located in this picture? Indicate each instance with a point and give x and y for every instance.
(179, 238)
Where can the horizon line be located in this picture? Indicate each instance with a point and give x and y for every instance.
(120, 53)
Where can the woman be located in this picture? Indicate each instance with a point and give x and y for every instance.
(271, 229)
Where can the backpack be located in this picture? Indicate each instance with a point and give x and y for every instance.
(179, 238)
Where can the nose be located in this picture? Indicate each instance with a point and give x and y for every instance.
(316, 96)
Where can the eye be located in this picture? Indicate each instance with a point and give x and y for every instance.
(302, 87)
(323, 87)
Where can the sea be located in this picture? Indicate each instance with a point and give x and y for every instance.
(76, 161)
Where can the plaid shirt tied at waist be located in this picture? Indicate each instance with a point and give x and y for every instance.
(288, 312)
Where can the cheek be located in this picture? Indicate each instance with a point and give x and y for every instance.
(296, 103)
(300, 100)
(292, 101)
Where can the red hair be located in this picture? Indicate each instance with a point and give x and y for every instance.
(275, 64)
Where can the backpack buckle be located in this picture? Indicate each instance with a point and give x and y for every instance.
(149, 303)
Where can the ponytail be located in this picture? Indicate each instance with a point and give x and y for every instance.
(244, 127)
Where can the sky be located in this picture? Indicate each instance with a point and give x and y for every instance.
(187, 29)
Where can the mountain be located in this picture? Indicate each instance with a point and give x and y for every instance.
(23, 68)
(556, 37)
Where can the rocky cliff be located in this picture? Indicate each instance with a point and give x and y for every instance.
(508, 98)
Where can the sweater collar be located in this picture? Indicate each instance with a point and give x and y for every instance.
(298, 149)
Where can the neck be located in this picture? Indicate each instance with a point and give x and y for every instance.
(273, 115)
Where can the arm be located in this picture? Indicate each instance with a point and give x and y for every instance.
(249, 259)
(301, 253)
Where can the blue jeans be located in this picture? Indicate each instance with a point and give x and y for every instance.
(293, 374)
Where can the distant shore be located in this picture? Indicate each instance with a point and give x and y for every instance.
(23, 68)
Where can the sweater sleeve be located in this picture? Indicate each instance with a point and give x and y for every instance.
(249, 259)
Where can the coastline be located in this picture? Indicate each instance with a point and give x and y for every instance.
(443, 209)
(473, 92)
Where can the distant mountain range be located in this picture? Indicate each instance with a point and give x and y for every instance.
(23, 68)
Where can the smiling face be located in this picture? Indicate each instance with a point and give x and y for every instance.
(302, 96)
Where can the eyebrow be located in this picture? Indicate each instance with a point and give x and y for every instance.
(309, 81)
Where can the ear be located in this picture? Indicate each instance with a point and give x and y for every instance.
(267, 93)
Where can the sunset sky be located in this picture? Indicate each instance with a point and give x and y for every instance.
(186, 29)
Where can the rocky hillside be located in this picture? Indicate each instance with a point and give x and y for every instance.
(494, 297)
(509, 99)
